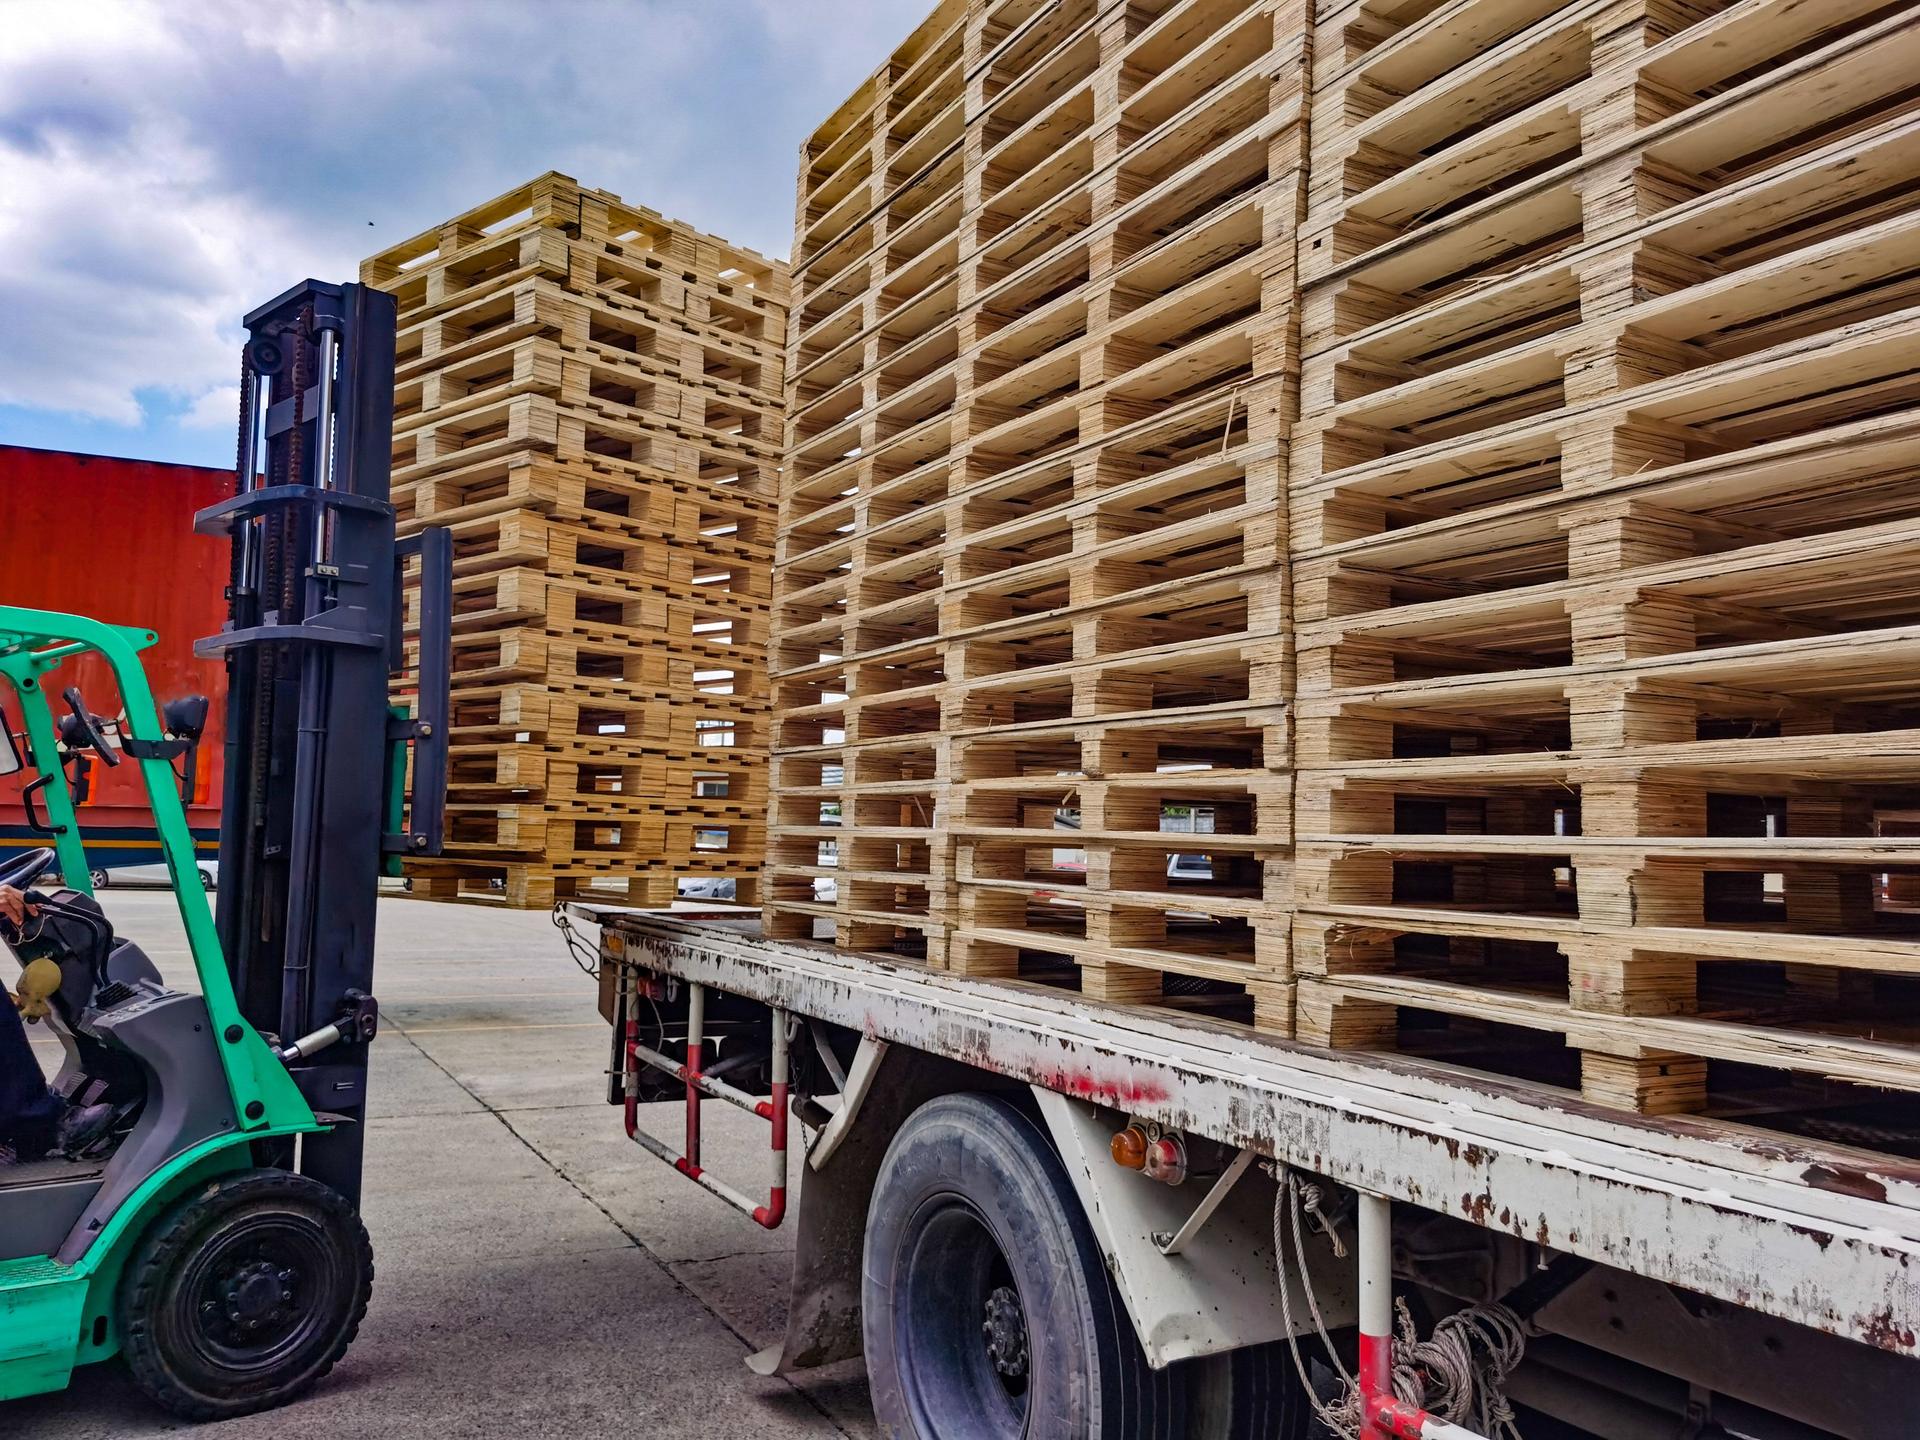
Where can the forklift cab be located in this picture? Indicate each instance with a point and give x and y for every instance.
(83, 966)
(193, 1085)
(126, 1038)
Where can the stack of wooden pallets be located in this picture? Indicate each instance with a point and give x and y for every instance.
(1605, 522)
(1459, 453)
(589, 396)
(1031, 609)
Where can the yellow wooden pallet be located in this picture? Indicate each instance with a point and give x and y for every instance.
(589, 396)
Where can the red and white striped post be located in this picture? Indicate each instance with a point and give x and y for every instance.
(1383, 1416)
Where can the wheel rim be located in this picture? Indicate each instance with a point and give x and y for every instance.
(258, 1296)
(964, 1355)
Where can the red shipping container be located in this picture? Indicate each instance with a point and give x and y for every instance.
(113, 539)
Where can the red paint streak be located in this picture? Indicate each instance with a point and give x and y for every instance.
(1376, 1379)
(769, 1215)
(1120, 1093)
(1402, 1422)
(632, 1116)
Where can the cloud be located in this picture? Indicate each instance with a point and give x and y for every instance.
(163, 168)
(218, 409)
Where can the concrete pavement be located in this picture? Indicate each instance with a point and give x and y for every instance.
(538, 1275)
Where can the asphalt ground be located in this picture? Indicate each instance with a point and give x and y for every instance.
(537, 1273)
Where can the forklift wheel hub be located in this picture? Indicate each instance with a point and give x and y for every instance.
(256, 1293)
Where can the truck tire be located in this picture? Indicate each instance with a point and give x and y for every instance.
(1253, 1391)
(244, 1295)
(986, 1307)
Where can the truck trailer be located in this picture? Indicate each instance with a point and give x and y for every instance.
(1210, 1196)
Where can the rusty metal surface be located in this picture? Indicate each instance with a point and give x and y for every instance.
(1824, 1237)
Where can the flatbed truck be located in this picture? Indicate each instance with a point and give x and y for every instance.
(967, 1139)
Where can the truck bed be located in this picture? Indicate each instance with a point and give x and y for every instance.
(1823, 1236)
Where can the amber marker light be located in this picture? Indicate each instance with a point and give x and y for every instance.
(1129, 1148)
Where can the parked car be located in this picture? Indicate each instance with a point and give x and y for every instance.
(140, 877)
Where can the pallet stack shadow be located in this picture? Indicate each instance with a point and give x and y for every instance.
(1606, 534)
(589, 395)
(1031, 623)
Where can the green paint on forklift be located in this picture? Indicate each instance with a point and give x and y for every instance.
(54, 1317)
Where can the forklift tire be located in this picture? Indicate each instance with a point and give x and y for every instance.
(986, 1307)
(244, 1295)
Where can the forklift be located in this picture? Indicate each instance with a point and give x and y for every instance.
(212, 1236)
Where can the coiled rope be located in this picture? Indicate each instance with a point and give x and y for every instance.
(1458, 1373)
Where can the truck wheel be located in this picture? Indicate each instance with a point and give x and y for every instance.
(244, 1294)
(987, 1308)
(1249, 1392)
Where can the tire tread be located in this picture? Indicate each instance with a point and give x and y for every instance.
(170, 1239)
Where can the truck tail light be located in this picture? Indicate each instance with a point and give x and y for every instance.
(1129, 1148)
(1166, 1160)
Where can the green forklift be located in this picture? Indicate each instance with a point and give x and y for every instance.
(211, 1236)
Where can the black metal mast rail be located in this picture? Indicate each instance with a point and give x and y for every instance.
(315, 759)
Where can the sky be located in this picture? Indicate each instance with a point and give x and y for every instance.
(166, 165)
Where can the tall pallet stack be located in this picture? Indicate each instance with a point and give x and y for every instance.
(1029, 597)
(590, 395)
(1464, 449)
(1605, 520)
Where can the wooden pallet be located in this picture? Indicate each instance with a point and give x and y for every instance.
(1602, 522)
(538, 886)
(1032, 516)
(589, 396)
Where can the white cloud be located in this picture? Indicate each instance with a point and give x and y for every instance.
(218, 409)
(165, 167)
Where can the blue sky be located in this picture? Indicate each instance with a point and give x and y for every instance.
(167, 164)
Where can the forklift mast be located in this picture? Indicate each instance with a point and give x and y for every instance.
(318, 804)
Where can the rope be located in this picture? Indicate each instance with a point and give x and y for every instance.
(1460, 1371)
(1342, 1419)
(1458, 1374)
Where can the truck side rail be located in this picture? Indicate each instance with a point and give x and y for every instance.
(1820, 1236)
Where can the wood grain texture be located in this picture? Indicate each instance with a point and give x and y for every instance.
(589, 396)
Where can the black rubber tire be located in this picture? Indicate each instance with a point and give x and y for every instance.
(1251, 1392)
(181, 1355)
(971, 1199)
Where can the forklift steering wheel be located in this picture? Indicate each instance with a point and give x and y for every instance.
(20, 873)
(87, 727)
(27, 867)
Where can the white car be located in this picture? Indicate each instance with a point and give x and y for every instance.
(136, 877)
